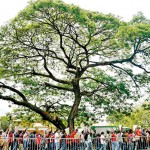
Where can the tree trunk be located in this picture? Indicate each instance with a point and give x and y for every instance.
(75, 106)
(71, 125)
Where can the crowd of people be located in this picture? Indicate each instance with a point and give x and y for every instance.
(60, 140)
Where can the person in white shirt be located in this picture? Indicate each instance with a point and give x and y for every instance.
(57, 139)
(120, 139)
(5, 136)
(82, 143)
(103, 142)
(89, 141)
(25, 140)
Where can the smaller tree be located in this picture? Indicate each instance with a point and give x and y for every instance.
(4, 123)
(139, 116)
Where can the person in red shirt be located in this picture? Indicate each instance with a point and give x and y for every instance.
(38, 140)
(52, 145)
(114, 142)
(73, 140)
(68, 141)
(47, 138)
(138, 134)
(10, 137)
(130, 140)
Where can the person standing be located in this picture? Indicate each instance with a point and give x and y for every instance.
(68, 141)
(89, 140)
(52, 141)
(114, 142)
(25, 140)
(98, 142)
(86, 139)
(32, 140)
(16, 139)
(20, 141)
(120, 139)
(130, 140)
(103, 142)
(74, 140)
(11, 139)
(63, 140)
(94, 139)
(57, 139)
(38, 141)
(1, 140)
(82, 141)
(108, 140)
(5, 136)
(125, 140)
(138, 134)
(143, 139)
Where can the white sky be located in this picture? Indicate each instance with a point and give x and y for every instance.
(123, 8)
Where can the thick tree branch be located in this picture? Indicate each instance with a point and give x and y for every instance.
(53, 119)
(105, 63)
(13, 90)
(58, 87)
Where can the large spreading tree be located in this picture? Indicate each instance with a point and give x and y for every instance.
(60, 61)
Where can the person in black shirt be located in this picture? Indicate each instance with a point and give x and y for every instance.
(63, 140)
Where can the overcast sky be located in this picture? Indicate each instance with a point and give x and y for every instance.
(123, 8)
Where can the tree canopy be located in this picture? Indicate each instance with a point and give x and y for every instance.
(60, 60)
